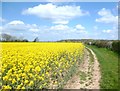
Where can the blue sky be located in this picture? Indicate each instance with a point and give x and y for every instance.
(55, 21)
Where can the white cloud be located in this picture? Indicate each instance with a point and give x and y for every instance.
(117, 6)
(34, 30)
(60, 27)
(16, 22)
(18, 25)
(61, 22)
(36, 35)
(111, 33)
(2, 20)
(21, 34)
(20, 28)
(107, 31)
(107, 17)
(58, 14)
(80, 27)
(1, 28)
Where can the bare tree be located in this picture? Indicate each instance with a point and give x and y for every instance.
(6, 37)
(36, 39)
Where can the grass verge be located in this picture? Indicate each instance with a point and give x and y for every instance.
(109, 67)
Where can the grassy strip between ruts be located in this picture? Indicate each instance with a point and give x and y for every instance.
(109, 67)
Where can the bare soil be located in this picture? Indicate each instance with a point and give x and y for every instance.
(88, 74)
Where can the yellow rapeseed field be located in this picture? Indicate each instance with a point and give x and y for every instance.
(37, 65)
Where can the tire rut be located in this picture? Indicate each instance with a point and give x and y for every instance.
(88, 73)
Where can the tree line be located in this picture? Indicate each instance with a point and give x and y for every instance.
(113, 45)
(9, 38)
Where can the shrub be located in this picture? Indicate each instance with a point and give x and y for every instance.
(116, 46)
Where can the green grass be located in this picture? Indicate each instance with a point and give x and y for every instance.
(83, 76)
(109, 67)
(91, 60)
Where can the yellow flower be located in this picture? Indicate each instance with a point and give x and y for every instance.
(45, 84)
(56, 82)
(42, 75)
(7, 87)
(55, 74)
(47, 73)
(23, 62)
(5, 78)
(23, 74)
(26, 81)
(23, 88)
(13, 81)
(37, 69)
(31, 83)
(19, 86)
(40, 87)
(27, 68)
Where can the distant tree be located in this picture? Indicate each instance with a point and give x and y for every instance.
(6, 37)
(36, 39)
(0, 37)
(21, 38)
(13, 38)
(25, 40)
(9, 38)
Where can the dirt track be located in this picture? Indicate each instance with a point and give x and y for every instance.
(88, 75)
